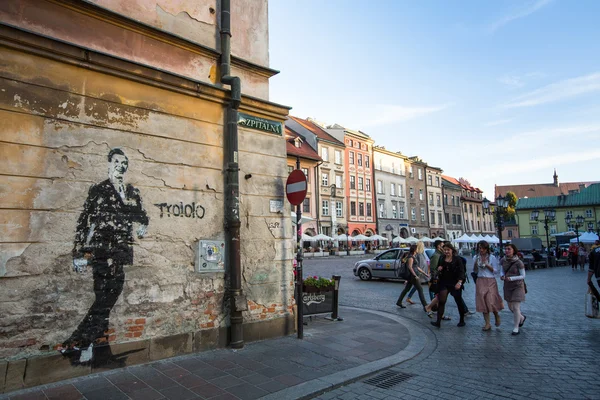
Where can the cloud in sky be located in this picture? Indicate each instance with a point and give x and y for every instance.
(498, 122)
(521, 13)
(511, 80)
(387, 114)
(536, 163)
(530, 142)
(513, 162)
(517, 82)
(558, 91)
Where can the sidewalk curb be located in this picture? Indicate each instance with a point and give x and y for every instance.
(418, 341)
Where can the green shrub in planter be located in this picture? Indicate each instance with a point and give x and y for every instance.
(314, 284)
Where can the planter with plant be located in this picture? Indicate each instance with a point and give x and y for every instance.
(315, 284)
(318, 296)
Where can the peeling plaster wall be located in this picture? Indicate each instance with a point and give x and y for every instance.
(198, 21)
(58, 121)
(193, 20)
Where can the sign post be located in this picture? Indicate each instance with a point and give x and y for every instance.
(295, 189)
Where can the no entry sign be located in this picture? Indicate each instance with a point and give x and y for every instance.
(295, 187)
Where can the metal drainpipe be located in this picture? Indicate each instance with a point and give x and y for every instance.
(237, 299)
(317, 194)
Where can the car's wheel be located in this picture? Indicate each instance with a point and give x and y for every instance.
(364, 274)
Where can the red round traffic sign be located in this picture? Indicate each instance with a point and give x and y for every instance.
(295, 187)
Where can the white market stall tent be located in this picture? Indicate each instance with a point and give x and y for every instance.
(586, 237)
(342, 237)
(306, 238)
(320, 236)
(377, 237)
(359, 237)
(303, 219)
(466, 239)
(491, 239)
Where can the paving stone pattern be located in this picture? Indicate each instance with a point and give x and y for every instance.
(556, 356)
(257, 370)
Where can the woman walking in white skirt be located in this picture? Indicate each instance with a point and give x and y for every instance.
(487, 296)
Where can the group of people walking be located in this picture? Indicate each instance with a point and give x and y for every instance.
(446, 275)
(577, 256)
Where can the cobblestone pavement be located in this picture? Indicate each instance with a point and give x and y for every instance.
(382, 352)
(556, 356)
(283, 368)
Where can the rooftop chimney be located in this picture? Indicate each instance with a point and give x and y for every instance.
(555, 178)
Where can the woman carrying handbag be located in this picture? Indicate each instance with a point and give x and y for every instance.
(451, 278)
(513, 275)
(420, 261)
(414, 271)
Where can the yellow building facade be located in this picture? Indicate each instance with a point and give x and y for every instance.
(115, 217)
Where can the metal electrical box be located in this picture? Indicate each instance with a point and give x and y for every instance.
(210, 256)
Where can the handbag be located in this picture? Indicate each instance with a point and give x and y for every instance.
(433, 286)
(474, 276)
(403, 272)
(509, 267)
(591, 305)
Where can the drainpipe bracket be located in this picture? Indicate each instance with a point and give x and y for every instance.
(241, 302)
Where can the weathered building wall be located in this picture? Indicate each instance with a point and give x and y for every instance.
(193, 53)
(198, 20)
(62, 110)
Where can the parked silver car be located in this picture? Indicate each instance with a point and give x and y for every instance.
(384, 265)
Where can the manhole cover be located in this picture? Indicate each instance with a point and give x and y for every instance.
(388, 379)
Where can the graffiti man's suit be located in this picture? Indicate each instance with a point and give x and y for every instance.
(105, 230)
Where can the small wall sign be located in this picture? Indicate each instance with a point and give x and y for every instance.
(275, 206)
(261, 124)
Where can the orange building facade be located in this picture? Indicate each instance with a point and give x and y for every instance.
(359, 180)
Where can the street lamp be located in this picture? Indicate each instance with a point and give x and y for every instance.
(549, 216)
(346, 229)
(501, 205)
(578, 222)
(333, 209)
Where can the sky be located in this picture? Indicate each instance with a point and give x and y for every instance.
(498, 92)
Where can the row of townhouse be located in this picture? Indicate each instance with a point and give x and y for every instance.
(355, 187)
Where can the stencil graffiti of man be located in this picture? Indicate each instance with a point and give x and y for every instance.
(104, 240)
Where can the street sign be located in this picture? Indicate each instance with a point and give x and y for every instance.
(295, 187)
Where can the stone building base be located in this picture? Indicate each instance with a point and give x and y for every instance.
(53, 367)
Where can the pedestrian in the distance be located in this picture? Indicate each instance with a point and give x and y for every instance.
(573, 256)
(451, 278)
(513, 275)
(414, 278)
(582, 254)
(487, 296)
